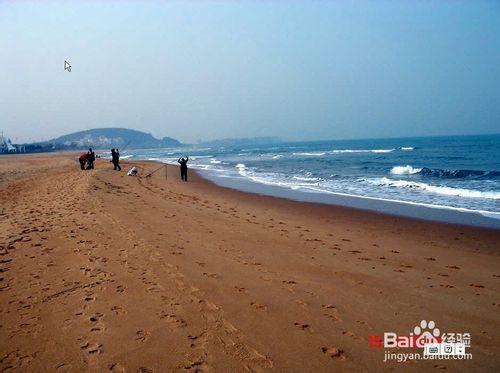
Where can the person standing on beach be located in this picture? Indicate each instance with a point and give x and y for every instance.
(184, 168)
(115, 158)
(90, 159)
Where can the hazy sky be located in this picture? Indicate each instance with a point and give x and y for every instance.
(302, 70)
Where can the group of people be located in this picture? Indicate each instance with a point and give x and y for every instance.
(87, 160)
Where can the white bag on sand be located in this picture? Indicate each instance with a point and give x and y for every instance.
(132, 172)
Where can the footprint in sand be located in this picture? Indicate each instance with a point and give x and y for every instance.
(118, 310)
(447, 286)
(117, 367)
(303, 326)
(334, 352)
(331, 312)
(211, 275)
(351, 334)
(477, 286)
(92, 348)
(97, 325)
(142, 335)
(259, 306)
(173, 319)
(64, 367)
(301, 303)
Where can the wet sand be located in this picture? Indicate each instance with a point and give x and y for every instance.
(100, 271)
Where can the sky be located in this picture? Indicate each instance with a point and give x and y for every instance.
(201, 70)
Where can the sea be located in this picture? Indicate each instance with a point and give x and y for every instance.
(451, 179)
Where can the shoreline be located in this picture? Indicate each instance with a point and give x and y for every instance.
(407, 209)
(102, 271)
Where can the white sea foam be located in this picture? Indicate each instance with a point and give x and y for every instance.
(242, 169)
(311, 154)
(444, 190)
(194, 157)
(489, 214)
(317, 188)
(303, 178)
(341, 151)
(407, 148)
(215, 161)
(405, 170)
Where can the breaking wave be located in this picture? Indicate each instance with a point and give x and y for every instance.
(444, 174)
(405, 170)
(458, 174)
(444, 190)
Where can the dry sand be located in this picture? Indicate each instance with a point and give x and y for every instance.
(100, 271)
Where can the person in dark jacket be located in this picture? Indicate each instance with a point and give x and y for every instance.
(90, 159)
(184, 168)
(115, 158)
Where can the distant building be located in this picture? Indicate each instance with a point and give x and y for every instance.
(6, 145)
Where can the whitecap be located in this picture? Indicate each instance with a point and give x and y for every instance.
(443, 190)
(341, 151)
(311, 154)
(405, 170)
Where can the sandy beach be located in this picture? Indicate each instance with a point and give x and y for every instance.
(105, 272)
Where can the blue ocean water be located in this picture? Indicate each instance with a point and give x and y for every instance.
(461, 173)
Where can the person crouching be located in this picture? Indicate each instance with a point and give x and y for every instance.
(82, 159)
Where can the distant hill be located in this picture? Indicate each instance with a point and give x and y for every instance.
(101, 138)
(242, 141)
(114, 138)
